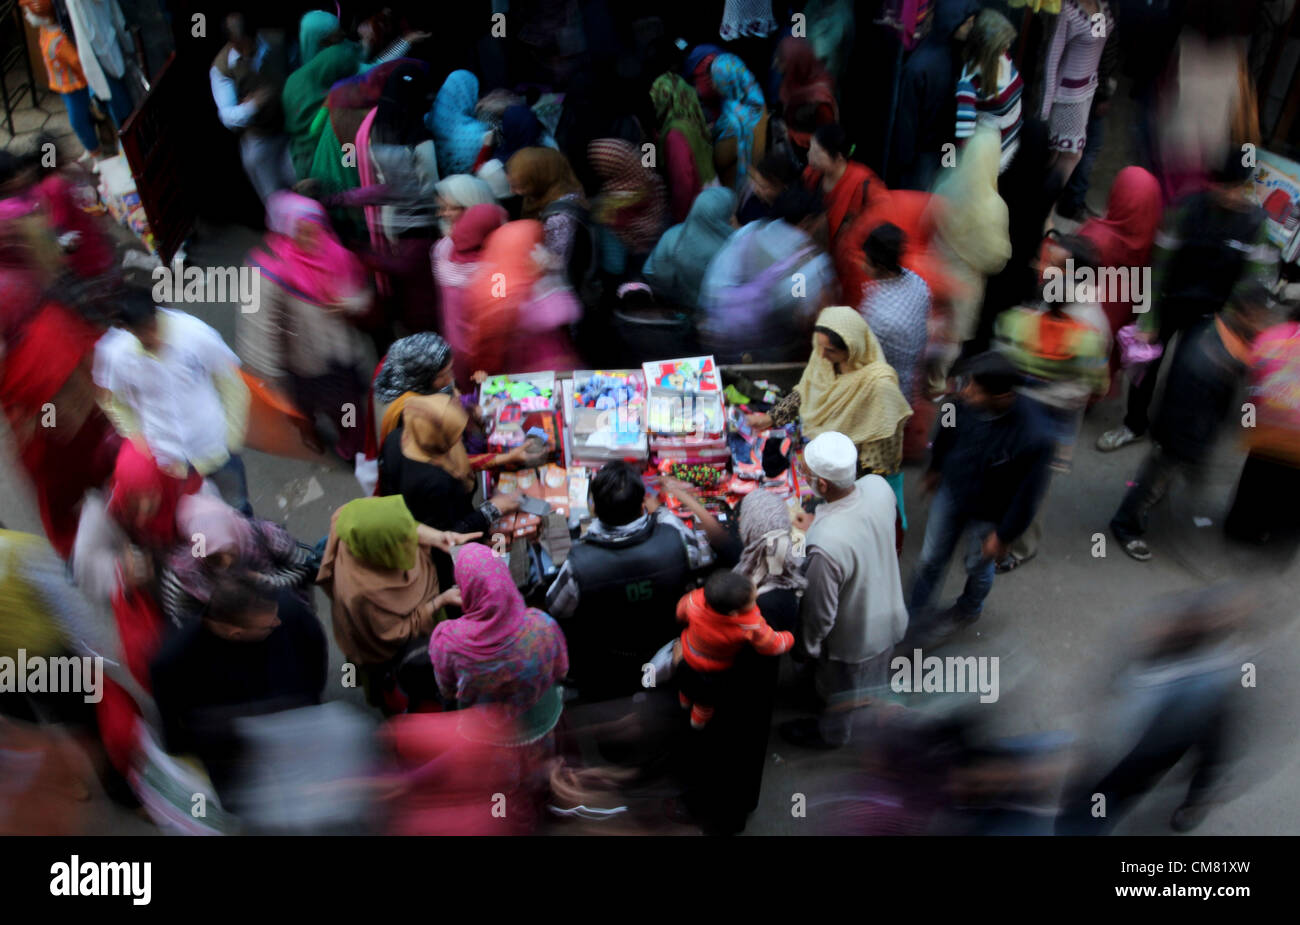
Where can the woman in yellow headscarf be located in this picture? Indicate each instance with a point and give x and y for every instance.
(972, 234)
(848, 387)
(425, 462)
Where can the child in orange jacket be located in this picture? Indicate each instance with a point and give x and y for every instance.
(63, 68)
(721, 619)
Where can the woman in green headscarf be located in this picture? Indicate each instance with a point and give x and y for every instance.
(306, 119)
(684, 139)
(378, 573)
(315, 29)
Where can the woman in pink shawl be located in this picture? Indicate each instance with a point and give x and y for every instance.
(500, 651)
(456, 257)
(301, 336)
(501, 662)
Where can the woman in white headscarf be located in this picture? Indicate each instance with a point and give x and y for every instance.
(457, 193)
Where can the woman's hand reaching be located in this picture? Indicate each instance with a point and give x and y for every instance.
(443, 539)
(449, 598)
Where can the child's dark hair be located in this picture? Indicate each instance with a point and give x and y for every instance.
(884, 246)
(727, 591)
(794, 205)
(833, 139)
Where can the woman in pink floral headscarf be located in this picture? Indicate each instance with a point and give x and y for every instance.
(500, 651)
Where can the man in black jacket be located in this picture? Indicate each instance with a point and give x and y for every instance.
(252, 653)
(1203, 378)
(990, 466)
(926, 116)
(616, 594)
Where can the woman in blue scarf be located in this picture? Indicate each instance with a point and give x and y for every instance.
(457, 134)
(675, 268)
(743, 117)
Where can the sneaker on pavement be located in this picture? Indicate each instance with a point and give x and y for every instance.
(1138, 549)
(1112, 440)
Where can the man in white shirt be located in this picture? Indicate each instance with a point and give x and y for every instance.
(169, 380)
(853, 613)
(246, 78)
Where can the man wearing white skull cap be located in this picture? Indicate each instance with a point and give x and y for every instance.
(853, 612)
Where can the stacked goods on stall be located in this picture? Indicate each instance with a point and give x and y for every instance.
(759, 459)
(604, 417)
(684, 412)
(517, 404)
(520, 409)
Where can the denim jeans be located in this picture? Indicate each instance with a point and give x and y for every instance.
(943, 530)
(77, 103)
(232, 482)
(119, 107)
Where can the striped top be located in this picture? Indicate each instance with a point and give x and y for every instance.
(1074, 55)
(61, 61)
(1000, 109)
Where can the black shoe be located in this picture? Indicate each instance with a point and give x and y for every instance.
(804, 733)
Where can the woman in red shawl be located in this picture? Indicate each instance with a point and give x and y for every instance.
(847, 187)
(807, 90)
(64, 441)
(520, 313)
(1124, 237)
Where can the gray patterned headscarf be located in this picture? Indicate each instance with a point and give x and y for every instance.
(411, 366)
(769, 559)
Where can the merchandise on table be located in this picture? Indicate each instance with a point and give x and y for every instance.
(517, 404)
(579, 486)
(604, 417)
(707, 477)
(549, 483)
(685, 397)
(118, 190)
(685, 414)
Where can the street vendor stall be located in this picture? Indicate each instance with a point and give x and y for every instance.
(679, 418)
